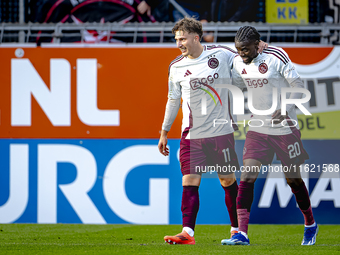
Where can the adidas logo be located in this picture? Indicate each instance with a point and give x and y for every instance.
(244, 71)
(187, 73)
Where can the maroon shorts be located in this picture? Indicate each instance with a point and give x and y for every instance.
(202, 155)
(262, 147)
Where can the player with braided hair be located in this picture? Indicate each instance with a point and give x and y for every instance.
(262, 74)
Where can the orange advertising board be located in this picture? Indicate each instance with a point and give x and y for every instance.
(130, 80)
(128, 83)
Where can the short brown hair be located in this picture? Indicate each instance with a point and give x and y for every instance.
(189, 25)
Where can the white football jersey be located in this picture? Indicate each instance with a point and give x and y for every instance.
(206, 109)
(269, 70)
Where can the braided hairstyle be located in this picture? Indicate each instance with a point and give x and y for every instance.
(247, 34)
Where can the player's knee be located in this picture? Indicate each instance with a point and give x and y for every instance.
(226, 182)
(191, 180)
(248, 179)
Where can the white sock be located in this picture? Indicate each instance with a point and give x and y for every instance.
(310, 226)
(244, 234)
(189, 231)
(233, 229)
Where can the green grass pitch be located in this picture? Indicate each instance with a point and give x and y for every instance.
(148, 239)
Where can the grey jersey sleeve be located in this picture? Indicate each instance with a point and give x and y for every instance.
(297, 83)
(171, 110)
(174, 101)
(289, 72)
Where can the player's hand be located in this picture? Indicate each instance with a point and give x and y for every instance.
(163, 149)
(262, 46)
(143, 7)
(277, 117)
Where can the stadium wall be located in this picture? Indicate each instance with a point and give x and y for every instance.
(79, 128)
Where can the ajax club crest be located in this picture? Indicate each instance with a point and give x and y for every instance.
(263, 68)
(213, 63)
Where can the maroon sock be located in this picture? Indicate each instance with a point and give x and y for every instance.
(244, 200)
(230, 202)
(243, 220)
(245, 195)
(302, 199)
(308, 215)
(190, 205)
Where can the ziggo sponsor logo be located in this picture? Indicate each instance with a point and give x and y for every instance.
(197, 83)
(254, 83)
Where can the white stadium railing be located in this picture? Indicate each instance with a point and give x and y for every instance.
(322, 34)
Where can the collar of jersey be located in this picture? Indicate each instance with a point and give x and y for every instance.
(198, 58)
(258, 58)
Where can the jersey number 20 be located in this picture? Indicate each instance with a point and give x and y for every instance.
(294, 150)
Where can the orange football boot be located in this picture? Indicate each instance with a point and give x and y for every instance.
(181, 238)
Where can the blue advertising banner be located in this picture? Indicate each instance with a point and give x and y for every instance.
(128, 181)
